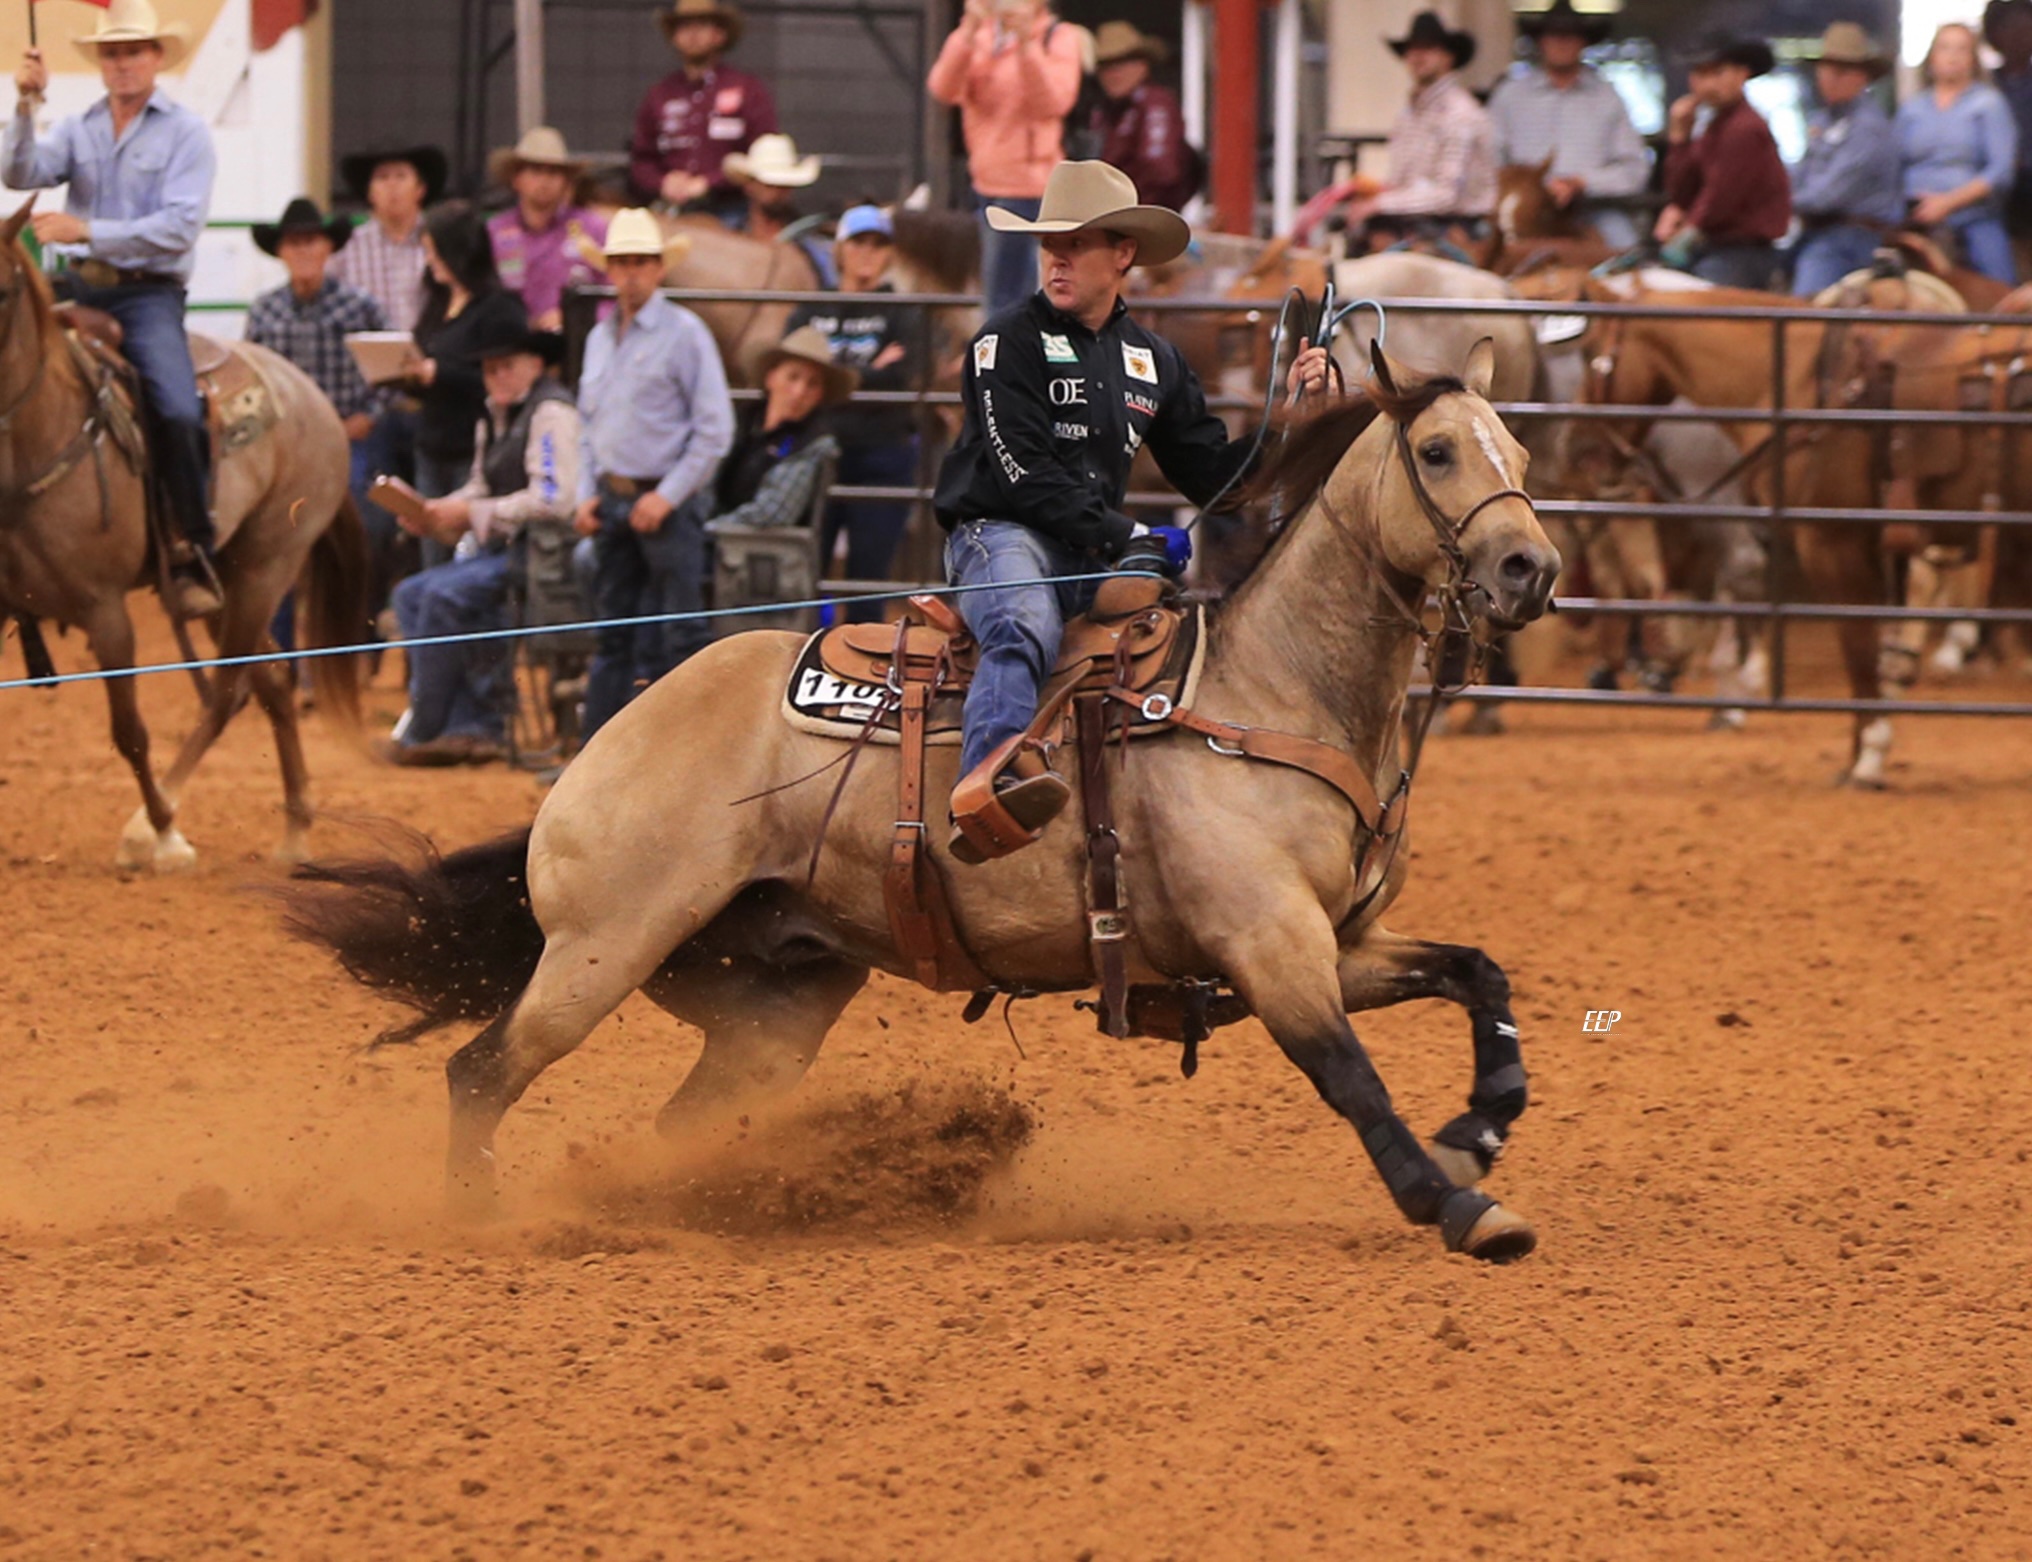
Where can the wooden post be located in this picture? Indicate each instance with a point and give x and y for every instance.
(1237, 64)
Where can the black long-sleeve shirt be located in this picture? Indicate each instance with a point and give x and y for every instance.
(455, 400)
(1054, 415)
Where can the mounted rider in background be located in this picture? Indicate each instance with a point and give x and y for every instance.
(139, 169)
(1059, 394)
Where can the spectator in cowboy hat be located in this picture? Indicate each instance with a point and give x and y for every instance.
(1442, 145)
(385, 260)
(657, 419)
(1960, 150)
(1561, 109)
(692, 119)
(1013, 71)
(1138, 125)
(769, 173)
(1845, 188)
(782, 443)
(1730, 198)
(524, 474)
(537, 240)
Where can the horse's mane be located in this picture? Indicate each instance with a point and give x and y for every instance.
(944, 245)
(41, 301)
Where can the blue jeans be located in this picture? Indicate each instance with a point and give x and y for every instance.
(152, 320)
(1008, 260)
(437, 476)
(874, 527)
(457, 690)
(389, 450)
(1737, 265)
(1615, 225)
(636, 574)
(1019, 627)
(1988, 246)
(1826, 255)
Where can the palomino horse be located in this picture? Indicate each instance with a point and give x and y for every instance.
(677, 854)
(74, 541)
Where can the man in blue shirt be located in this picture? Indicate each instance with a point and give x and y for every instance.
(1845, 189)
(657, 419)
(139, 170)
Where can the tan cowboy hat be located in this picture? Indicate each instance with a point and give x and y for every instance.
(1845, 43)
(1125, 41)
(540, 147)
(134, 21)
(812, 345)
(773, 161)
(634, 231)
(701, 11)
(1098, 195)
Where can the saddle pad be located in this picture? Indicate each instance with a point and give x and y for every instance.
(819, 701)
(238, 400)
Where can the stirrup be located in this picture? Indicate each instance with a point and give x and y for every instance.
(990, 823)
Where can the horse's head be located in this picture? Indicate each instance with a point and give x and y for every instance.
(1524, 208)
(15, 266)
(1450, 502)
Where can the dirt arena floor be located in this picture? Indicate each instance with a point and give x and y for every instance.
(963, 1302)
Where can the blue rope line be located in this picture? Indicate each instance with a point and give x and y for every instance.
(99, 675)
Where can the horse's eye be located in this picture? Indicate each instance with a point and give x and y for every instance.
(1435, 452)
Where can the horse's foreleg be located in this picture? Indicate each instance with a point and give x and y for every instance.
(275, 688)
(1292, 983)
(1387, 968)
(151, 837)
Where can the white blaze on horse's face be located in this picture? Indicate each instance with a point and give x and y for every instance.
(1486, 438)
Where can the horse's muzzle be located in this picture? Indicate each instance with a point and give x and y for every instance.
(1517, 588)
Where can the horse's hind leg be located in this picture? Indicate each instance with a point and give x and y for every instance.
(275, 688)
(156, 842)
(1289, 977)
(764, 1023)
(1387, 968)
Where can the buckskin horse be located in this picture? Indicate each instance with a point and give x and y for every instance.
(74, 536)
(711, 864)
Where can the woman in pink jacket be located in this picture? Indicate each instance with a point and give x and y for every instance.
(1013, 70)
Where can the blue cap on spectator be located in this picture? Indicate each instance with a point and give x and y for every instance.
(857, 220)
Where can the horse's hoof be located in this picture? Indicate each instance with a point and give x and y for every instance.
(174, 854)
(1728, 721)
(1475, 1224)
(1462, 1168)
(471, 1197)
(1863, 779)
(137, 844)
(293, 851)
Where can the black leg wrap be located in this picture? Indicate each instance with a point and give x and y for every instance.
(1480, 1136)
(1499, 1092)
(1407, 1171)
(1458, 1214)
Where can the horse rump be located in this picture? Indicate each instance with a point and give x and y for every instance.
(451, 936)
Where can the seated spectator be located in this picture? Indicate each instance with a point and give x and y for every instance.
(878, 443)
(1960, 148)
(2007, 28)
(1730, 200)
(524, 473)
(692, 119)
(1138, 125)
(537, 241)
(782, 442)
(1013, 71)
(1846, 187)
(1562, 109)
(385, 261)
(464, 304)
(657, 418)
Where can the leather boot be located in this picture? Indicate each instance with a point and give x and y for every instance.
(1032, 802)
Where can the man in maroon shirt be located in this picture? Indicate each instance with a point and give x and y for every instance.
(1138, 123)
(1730, 197)
(695, 116)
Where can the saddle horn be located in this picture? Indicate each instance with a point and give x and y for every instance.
(20, 219)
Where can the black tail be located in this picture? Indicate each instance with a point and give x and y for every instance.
(451, 937)
(34, 649)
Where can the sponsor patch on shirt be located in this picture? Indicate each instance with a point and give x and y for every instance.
(1140, 362)
(1136, 401)
(984, 354)
(1069, 430)
(727, 100)
(1057, 349)
(726, 127)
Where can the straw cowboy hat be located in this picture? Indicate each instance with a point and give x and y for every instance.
(635, 231)
(357, 169)
(301, 216)
(540, 147)
(134, 21)
(1429, 32)
(1097, 195)
(701, 11)
(773, 161)
(1125, 41)
(811, 345)
(1845, 43)
(1561, 17)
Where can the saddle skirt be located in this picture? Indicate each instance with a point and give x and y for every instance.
(847, 677)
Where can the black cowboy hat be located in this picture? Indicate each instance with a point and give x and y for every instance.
(1997, 11)
(1753, 54)
(1561, 17)
(1429, 32)
(301, 216)
(502, 337)
(357, 169)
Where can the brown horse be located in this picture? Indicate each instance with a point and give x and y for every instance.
(74, 542)
(677, 856)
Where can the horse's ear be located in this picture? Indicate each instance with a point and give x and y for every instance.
(1384, 370)
(1545, 167)
(20, 219)
(1480, 372)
